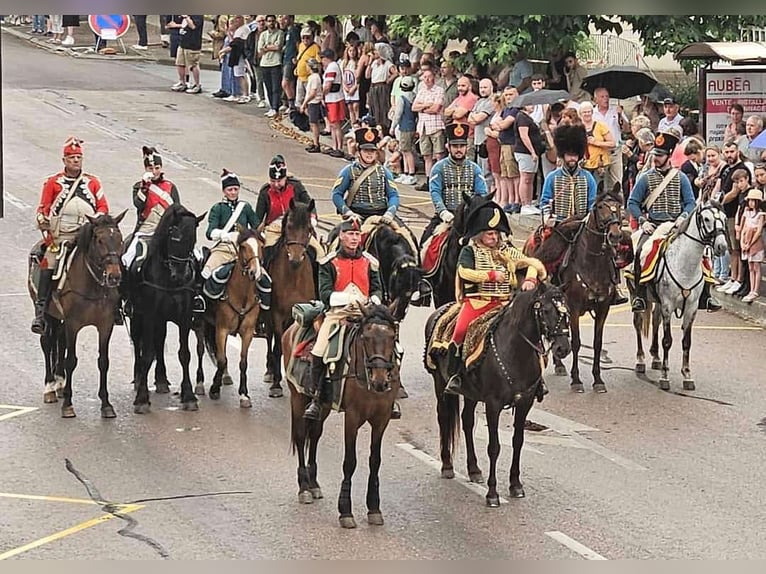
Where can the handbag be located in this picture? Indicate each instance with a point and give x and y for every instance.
(482, 151)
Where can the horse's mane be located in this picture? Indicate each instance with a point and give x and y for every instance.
(519, 310)
(85, 233)
(246, 234)
(564, 233)
(172, 214)
(386, 239)
(379, 314)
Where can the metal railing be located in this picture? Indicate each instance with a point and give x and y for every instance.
(610, 50)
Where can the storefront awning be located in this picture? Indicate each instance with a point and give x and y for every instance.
(733, 52)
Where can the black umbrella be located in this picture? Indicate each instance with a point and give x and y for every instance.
(620, 81)
(540, 97)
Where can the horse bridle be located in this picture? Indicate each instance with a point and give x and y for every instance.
(101, 278)
(560, 329)
(602, 227)
(376, 361)
(707, 236)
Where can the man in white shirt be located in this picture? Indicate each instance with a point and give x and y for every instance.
(672, 117)
(615, 119)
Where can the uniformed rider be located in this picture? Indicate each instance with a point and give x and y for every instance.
(66, 198)
(152, 195)
(452, 179)
(486, 273)
(348, 278)
(662, 194)
(365, 187)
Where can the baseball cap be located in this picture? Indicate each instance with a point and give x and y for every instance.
(327, 53)
(306, 32)
(407, 83)
(670, 100)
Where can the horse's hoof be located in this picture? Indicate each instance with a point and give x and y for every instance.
(215, 394)
(517, 491)
(316, 493)
(68, 412)
(190, 406)
(476, 477)
(448, 473)
(304, 497)
(577, 388)
(375, 519)
(689, 385)
(244, 403)
(199, 390)
(664, 384)
(268, 379)
(276, 391)
(107, 412)
(493, 501)
(599, 387)
(50, 397)
(162, 387)
(347, 522)
(403, 394)
(560, 371)
(640, 368)
(227, 380)
(141, 409)
(656, 365)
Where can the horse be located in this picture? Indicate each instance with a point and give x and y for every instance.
(508, 375)
(368, 396)
(88, 296)
(163, 291)
(293, 281)
(589, 277)
(676, 289)
(236, 313)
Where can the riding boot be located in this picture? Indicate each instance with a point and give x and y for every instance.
(707, 301)
(263, 285)
(261, 326)
(639, 299)
(43, 294)
(455, 367)
(313, 411)
(199, 305)
(618, 298)
(542, 390)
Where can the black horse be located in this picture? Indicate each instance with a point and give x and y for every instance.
(508, 375)
(163, 291)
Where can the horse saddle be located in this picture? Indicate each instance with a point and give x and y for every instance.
(433, 249)
(215, 285)
(63, 262)
(650, 251)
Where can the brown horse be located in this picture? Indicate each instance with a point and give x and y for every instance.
(371, 387)
(292, 276)
(589, 278)
(236, 313)
(89, 296)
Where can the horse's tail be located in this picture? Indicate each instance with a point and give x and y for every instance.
(210, 345)
(450, 423)
(646, 319)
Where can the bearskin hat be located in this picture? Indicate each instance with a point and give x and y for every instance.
(570, 139)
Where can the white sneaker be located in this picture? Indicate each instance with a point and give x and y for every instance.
(243, 99)
(283, 109)
(411, 180)
(529, 210)
(401, 178)
(68, 41)
(724, 287)
(178, 87)
(733, 288)
(230, 99)
(195, 89)
(261, 104)
(270, 114)
(139, 47)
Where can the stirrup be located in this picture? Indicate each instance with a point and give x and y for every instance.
(313, 411)
(638, 305)
(199, 305)
(454, 386)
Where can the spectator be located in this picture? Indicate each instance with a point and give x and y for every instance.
(405, 121)
(478, 119)
(349, 64)
(189, 49)
(311, 104)
(229, 90)
(753, 128)
(377, 31)
(549, 160)
(689, 131)
(70, 22)
(527, 150)
(361, 32)
(692, 149)
(404, 70)
(493, 143)
(459, 108)
(270, 43)
(140, 21)
(429, 105)
(649, 108)
(540, 110)
(330, 38)
(752, 240)
(521, 73)
(636, 151)
(706, 181)
(366, 58)
(736, 113)
(236, 59)
(600, 142)
(448, 81)
(509, 169)
(57, 29)
(307, 50)
(575, 74)
(615, 119)
(218, 36)
(257, 24)
(289, 58)
(334, 99)
(173, 25)
(672, 117)
(381, 73)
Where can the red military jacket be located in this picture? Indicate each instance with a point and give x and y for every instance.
(147, 195)
(339, 269)
(89, 189)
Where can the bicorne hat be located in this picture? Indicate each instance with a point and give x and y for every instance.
(351, 224)
(486, 216)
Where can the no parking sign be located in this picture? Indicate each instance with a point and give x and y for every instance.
(109, 26)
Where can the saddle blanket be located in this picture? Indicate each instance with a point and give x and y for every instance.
(473, 345)
(215, 285)
(369, 228)
(651, 252)
(432, 252)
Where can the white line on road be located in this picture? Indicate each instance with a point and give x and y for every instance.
(19, 294)
(106, 130)
(433, 463)
(215, 184)
(575, 546)
(16, 202)
(171, 161)
(59, 108)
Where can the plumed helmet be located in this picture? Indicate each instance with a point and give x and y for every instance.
(151, 157)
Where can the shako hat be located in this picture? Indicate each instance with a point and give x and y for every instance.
(229, 178)
(72, 146)
(151, 156)
(457, 133)
(367, 138)
(665, 142)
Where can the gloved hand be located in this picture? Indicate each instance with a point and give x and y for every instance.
(215, 235)
(43, 223)
(680, 219)
(446, 216)
(375, 300)
(387, 218)
(147, 177)
(549, 221)
(351, 215)
(231, 236)
(648, 227)
(314, 222)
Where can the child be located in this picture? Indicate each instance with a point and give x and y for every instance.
(751, 240)
(312, 103)
(739, 275)
(760, 177)
(393, 158)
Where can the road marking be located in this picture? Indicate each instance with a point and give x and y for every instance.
(126, 509)
(16, 411)
(215, 184)
(433, 463)
(49, 498)
(575, 546)
(695, 327)
(107, 131)
(59, 108)
(19, 294)
(16, 202)
(171, 161)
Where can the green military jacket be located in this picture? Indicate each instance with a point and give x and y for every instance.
(221, 212)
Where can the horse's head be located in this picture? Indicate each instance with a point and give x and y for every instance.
(406, 280)
(102, 242)
(552, 316)
(378, 333)
(711, 224)
(176, 235)
(607, 214)
(296, 231)
(249, 254)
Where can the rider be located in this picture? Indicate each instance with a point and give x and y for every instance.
(364, 187)
(274, 201)
(662, 194)
(453, 178)
(349, 277)
(152, 195)
(224, 222)
(67, 197)
(486, 272)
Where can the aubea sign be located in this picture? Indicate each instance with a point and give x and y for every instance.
(724, 87)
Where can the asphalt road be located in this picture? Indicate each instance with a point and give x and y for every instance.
(633, 473)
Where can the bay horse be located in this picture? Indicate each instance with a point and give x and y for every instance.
(508, 375)
(676, 289)
(369, 392)
(163, 291)
(293, 281)
(589, 277)
(236, 313)
(88, 296)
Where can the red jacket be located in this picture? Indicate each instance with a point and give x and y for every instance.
(89, 189)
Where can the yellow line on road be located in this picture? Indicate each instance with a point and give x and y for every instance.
(694, 328)
(48, 498)
(16, 411)
(127, 509)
